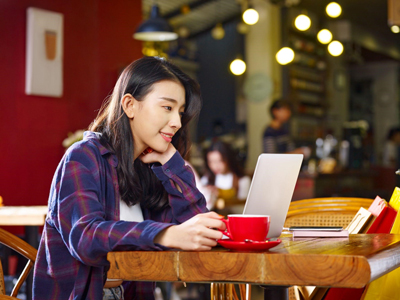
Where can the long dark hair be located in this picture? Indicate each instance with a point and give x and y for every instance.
(229, 157)
(137, 182)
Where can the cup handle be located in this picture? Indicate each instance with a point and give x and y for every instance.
(226, 232)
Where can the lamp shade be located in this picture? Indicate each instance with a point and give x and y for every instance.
(155, 28)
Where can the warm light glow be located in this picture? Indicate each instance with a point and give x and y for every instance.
(238, 67)
(395, 29)
(324, 36)
(250, 16)
(333, 10)
(335, 48)
(302, 22)
(218, 32)
(242, 28)
(285, 56)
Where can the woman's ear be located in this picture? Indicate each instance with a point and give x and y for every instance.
(128, 105)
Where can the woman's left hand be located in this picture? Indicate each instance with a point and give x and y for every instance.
(150, 156)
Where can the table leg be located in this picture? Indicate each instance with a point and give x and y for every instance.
(32, 238)
(275, 292)
(214, 291)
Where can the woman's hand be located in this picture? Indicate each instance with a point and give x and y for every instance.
(194, 234)
(150, 156)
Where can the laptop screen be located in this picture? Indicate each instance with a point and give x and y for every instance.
(272, 187)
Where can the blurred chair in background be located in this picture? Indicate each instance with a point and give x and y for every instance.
(330, 211)
(15, 243)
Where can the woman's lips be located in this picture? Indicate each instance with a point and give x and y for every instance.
(166, 137)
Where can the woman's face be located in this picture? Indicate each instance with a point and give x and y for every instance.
(216, 163)
(282, 114)
(158, 116)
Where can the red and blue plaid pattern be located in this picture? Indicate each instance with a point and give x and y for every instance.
(83, 225)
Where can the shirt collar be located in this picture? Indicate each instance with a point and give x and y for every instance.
(104, 151)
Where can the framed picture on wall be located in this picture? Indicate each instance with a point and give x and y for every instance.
(44, 53)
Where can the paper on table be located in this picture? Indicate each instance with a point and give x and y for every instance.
(320, 233)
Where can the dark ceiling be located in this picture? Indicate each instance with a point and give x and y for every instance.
(371, 15)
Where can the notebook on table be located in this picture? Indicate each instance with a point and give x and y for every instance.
(272, 187)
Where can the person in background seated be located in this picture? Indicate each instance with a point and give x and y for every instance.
(391, 148)
(125, 186)
(224, 176)
(276, 138)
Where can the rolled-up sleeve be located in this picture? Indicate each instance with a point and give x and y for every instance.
(79, 216)
(187, 201)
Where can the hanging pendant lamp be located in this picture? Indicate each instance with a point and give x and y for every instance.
(155, 28)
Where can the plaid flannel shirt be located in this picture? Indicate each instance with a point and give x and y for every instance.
(83, 225)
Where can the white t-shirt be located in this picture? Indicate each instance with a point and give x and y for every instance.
(130, 213)
(225, 182)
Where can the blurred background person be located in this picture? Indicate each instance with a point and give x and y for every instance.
(224, 176)
(276, 138)
(391, 148)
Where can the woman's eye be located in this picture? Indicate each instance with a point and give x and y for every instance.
(168, 107)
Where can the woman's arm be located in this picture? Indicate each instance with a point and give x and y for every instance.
(178, 180)
(79, 208)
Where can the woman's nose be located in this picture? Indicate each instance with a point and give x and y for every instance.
(176, 122)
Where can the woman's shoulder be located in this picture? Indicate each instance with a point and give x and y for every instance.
(88, 148)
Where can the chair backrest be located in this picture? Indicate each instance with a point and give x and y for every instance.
(330, 211)
(23, 248)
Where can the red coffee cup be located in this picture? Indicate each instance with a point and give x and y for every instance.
(247, 227)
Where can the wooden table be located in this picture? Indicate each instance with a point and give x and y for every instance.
(23, 215)
(29, 216)
(348, 263)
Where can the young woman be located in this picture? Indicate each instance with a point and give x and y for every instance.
(125, 187)
(223, 173)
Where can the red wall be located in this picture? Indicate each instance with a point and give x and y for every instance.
(97, 44)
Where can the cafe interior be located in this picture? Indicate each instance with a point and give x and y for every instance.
(336, 64)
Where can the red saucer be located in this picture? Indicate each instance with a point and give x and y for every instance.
(253, 246)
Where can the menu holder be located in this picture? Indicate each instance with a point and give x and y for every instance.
(395, 199)
(384, 222)
(377, 206)
(361, 221)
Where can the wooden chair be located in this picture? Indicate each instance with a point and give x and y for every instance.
(330, 211)
(23, 248)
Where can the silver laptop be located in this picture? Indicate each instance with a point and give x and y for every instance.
(272, 187)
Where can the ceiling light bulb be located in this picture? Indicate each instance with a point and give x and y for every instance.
(218, 32)
(285, 56)
(302, 22)
(333, 10)
(324, 36)
(243, 28)
(238, 67)
(183, 32)
(250, 16)
(335, 48)
(395, 29)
